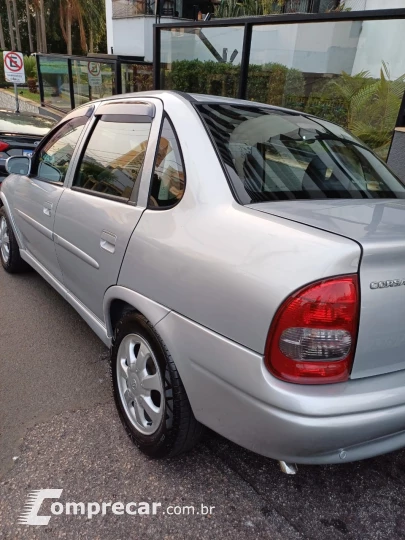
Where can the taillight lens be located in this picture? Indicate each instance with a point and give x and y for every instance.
(4, 146)
(313, 334)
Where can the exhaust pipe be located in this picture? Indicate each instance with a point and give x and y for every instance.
(288, 468)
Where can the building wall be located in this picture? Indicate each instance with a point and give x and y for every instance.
(109, 24)
(134, 36)
(311, 48)
(129, 36)
(180, 45)
(380, 40)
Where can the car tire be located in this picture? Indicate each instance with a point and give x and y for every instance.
(9, 251)
(148, 392)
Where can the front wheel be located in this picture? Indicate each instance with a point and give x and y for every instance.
(148, 391)
(9, 251)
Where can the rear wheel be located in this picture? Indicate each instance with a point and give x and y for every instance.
(9, 251)
(148, 391)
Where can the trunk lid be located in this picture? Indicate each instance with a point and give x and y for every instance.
(379, 227)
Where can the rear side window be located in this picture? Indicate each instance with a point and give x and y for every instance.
(168, 181)
(113, 157)
(276, 155)
(54, 158)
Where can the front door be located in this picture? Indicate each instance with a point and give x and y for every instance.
(36, 197)
(97, 214)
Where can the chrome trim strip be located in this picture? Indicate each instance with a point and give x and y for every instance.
(38, 226)
(76, 251)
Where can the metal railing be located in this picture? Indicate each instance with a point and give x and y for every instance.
(241, 58)
(66, 82)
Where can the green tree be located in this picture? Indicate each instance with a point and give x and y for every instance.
(244, 8)
(367, 106)
(89, 17)
(16, 25)
(373, 110)
(2, 40)
(87, 29)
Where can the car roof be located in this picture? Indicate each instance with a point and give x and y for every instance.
(206, 99)
(25, 123)
(197, 98)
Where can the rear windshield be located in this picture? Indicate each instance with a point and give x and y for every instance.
(275, 155)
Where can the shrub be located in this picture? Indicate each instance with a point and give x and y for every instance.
(270, 83)
(30, 66)
(275, 84)
(203, 77)
(366, 106)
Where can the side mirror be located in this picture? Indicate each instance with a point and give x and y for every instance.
(18, 165)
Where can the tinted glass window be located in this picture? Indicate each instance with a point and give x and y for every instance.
(274, 155)
(168, 180)
(54, 157)
(113, 157)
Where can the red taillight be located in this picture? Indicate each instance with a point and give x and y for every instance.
(313, 334)
(4, 146)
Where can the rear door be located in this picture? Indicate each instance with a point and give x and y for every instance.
(36, 196)
(103, 203)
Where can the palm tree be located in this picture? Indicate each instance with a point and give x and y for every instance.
(238, 8)
(17, 30)
(28, 10)
(70, 11)
(39, 12)
(43, 27)
(2, 42)
(10, 25)
(94, 18)
(38, 28)
(373, 106)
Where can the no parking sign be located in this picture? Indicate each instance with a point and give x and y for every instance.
(14, 67)
(94, 73)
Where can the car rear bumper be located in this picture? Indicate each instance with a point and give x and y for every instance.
(292, 437)
(231, 391)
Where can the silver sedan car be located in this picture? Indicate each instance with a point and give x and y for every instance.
(246, 264)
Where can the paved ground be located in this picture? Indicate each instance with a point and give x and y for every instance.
(57, 418)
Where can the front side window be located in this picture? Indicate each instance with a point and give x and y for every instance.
(168, 181)
(276, 155)
(54, 158)
(113, 158)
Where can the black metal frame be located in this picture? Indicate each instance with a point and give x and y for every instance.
(294, 18)
(249, 22)
(115, 61)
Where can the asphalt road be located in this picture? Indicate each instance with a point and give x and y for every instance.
(58, 421)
